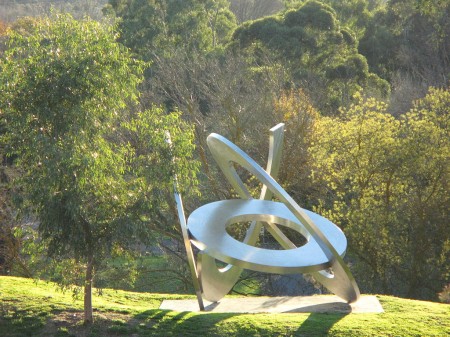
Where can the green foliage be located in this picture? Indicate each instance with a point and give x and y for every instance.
(64, 84)
(92, 174)
(295, 109)
(152, 168)
(30, 258)
(353, 14)
(306, 29)
(157, 27)
(13, 10)
(311, 44)
(409, 36)
(385, 183)
(148, 133)
(9, 244)
(314, 14)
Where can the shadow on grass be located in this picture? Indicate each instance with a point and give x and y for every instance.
(318, 324)
(187, 324)
(170, 323)
(21, 323)
(166, 323)
(321, 319)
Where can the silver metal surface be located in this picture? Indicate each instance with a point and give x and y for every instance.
(217, 282)
(207, 226)
(189, 252)
(206, 229)
(340, 281)
(184, 231)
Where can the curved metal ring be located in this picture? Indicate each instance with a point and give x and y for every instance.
(341, 282)
(207, 226)
(217, 282)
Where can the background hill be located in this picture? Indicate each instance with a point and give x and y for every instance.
(10, 10)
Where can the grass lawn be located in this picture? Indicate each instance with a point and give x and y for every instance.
(29, 308)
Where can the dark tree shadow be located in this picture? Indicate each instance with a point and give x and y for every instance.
(325, 308)
(186, 324)
(318, 324)
(321, 319)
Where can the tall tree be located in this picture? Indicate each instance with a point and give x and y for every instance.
(322, 56)
(385, 181)
(159, 26)
(352, 14)
(407, 43)
(64, 87)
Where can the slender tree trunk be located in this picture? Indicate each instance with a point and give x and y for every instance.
(88, 313)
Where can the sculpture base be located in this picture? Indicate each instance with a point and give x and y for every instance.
(285, 304)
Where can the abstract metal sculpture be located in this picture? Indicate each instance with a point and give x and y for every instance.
(206, 227)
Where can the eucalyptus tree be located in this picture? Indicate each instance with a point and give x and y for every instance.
(385, 181)
(353, 14)
(91, 166)
(159, 26)
(322, 56)
(407, 43)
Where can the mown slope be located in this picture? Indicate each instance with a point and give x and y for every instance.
(29, 308)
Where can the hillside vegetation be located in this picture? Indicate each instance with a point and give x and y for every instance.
(11, 10)
(37, 308)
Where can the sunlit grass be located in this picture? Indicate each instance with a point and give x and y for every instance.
(30, 308)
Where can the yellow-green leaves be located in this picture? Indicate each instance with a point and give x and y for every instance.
(386, 184)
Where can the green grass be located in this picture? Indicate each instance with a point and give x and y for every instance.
(29, 308)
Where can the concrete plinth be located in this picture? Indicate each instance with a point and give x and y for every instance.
(295, 304)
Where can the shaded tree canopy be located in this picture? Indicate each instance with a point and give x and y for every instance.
(157, 26)
(410, 36)
(311, 43)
